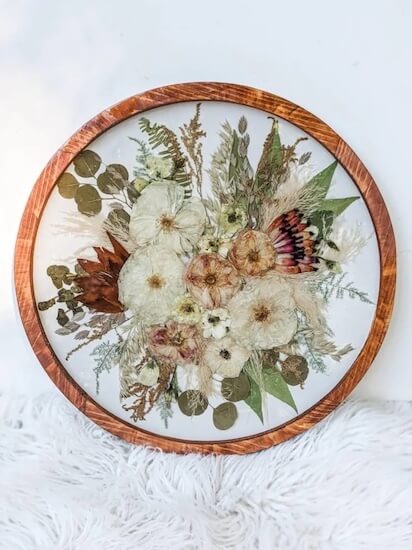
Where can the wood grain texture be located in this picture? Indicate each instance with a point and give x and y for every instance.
(203, 92)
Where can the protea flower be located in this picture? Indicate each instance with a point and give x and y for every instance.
(99, 284)
(295, 243)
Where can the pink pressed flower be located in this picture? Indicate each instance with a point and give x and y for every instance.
(175, 342)
(212, 280)
(252, 253)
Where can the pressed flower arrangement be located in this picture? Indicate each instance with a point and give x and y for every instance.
(212, 265)
(217, 294)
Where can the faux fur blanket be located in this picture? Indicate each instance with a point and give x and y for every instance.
(67, 485)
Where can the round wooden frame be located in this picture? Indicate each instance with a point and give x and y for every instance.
(203, 92)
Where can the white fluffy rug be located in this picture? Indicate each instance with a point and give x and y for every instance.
(67, 485)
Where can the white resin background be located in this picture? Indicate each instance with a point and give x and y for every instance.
(349, 319)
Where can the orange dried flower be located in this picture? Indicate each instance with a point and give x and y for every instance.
(99, 285)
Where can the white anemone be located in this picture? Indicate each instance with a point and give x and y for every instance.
(225, 357)
(263, 314)
(149, 283)
(161, 215)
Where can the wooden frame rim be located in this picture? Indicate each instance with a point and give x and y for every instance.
(203, 91)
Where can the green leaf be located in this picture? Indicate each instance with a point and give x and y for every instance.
(87, 163)
(254, 399)
(88, 200)
(337, 206)
(271, 159)
(235, 389)
(67, 185)
(276, 386)
(225, 415)
(113, 179)
(323, 220)
(321, 181)
(192, 402)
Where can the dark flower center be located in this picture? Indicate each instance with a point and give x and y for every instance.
(166, 222)
(232, 218)
(155, 281)
(225, 354)
(177, 339)
(253, 256)
(210, 279)
(188, 308)
(213, 319)
(261, 313)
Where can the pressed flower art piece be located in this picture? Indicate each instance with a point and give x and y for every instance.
(208, 272)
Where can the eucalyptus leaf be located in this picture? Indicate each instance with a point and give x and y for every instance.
(295, 370)
(119, 217)
(192, 402)
(65, 295)
(57, 274)
(72, 326)
(87, 163)
(224, 415)
(113, 179)
(62, 318)
(88, 200)
(337, 206)
(43, 306)
(79, 316)
(254, 399)
(82, 335)
(63, 331)
(235, 389)
(132, 193)
(67, 185)
(274, 384)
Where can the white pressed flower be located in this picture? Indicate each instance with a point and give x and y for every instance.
(232, 219)
(158, 168)
(186, 310)
(216, 323)
(263, 313)
(344, 242)
(149, 283)
(225, 357)
(209, 243)
(162, 216)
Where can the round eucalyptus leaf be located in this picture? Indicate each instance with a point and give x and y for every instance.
(118, 218)
(224, 416)
(236, 389)
(113, 179)
(88, 200)
(67, 185)
(295, 370)
(87, 163)
(192, 402)
(269, 358)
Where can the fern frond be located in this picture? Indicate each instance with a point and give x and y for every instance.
(160, 135)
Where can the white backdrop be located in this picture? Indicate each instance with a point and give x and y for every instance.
(347, 62)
